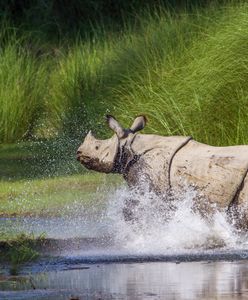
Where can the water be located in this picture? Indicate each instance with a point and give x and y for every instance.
(55, 227)
(195, 280)
(167, 251)
(158, 226)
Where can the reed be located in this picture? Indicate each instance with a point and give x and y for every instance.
(194, 82)
(23, 81)
(187, 71)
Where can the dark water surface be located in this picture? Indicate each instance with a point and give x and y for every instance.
(147, 280)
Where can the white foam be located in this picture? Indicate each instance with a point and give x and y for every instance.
(167, 224)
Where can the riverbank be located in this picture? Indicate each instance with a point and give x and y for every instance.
(28, 192)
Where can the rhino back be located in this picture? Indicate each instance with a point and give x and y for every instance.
(216, 172)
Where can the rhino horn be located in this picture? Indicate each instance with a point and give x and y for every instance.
(138, 124)
(115, 126)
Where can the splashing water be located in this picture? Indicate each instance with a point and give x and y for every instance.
(158, 227)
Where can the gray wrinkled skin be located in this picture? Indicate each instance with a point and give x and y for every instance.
(218, 174)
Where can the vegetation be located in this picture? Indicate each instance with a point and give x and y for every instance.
(185, 69)
(39, 159)
(19, 250)
(28, 189)
(23, 84)
(53, 197)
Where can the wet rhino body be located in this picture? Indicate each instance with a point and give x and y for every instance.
(218, 174)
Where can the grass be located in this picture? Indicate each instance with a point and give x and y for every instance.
(23, 83)
(27, 193)
(39, 159)
(186, 71)
(50, 197)
(18, 250)
(53, 197)
(26, 188)
(47, 197)
(189, 76)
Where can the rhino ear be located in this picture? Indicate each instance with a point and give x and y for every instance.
(89, 135)
(115, 126)
(138, 124)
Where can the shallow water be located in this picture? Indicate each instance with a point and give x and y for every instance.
(53, 227)
(164, 254)
(156, 227)
(154, 280)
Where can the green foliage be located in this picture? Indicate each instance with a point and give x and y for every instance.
(197, 87)
(39, 159)
(30, 185)
(187, 71)
(57, 17)
(76, 86)
(22, 88)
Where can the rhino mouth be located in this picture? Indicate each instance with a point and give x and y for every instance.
(89, 163)
(83, 159)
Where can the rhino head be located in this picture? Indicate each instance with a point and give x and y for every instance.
(110, 155)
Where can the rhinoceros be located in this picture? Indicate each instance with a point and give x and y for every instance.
(165, 163)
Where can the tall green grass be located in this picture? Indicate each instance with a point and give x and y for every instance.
(199, 88)
(23, 82)
(76, 86)
(186, 71)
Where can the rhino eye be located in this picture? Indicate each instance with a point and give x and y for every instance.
(97, 147)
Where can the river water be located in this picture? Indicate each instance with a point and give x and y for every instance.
(163, 254)
(143, 280)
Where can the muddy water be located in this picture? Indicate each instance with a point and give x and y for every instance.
(163, 254)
